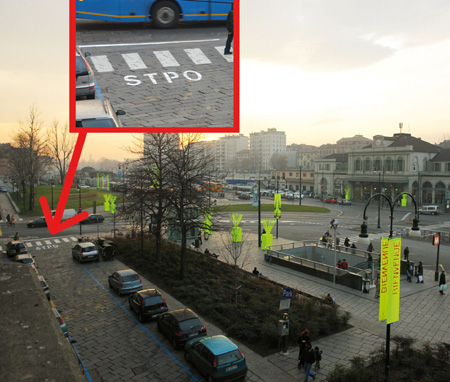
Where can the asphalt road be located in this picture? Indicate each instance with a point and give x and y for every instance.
(162, 78)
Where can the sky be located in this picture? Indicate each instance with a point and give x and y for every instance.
(318, 70)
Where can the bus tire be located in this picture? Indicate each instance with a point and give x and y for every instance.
(165, 14)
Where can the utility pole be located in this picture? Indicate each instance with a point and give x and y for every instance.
(300, 189)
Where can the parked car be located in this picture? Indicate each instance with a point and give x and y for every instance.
(4, 189)
(97, 113)
(39, 222)
(93, 219)
(44, 286)
(25, 259)
(244, 196)
(345, 202)
(125, 281)
(85, 252)
(330, 199)
(147, 304)
(16, 247)
(84, 76)
(217, 358)
(181, 325)
(429, 210)
(61, 322)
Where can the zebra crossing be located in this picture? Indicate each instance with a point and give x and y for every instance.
(42, 242)
(134, 61)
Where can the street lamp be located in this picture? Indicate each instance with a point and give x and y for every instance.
(79, 204)
(53, 183)
(300, 189)
(364, 239)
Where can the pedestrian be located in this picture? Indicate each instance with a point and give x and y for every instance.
(255, 272)
(369, 260)
(337, 241)
(406, 253)
(329, 299)
(318, 354)
(8, 219)
(420, 273)
(332, 223)
(409, 271)
(199, 236)
(377, 286)
(353, 247)
(230, 29)
(339, 264)
(370, 247)
(330, 242)
(309, 359)
(16, 236)
(303, 338)
(344, 264)
(13, 220)
(346, 243)
(442, 283)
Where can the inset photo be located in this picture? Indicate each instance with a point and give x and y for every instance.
(154, 66)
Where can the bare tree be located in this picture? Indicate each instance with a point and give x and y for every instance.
(61, 144)
(30, 143)
(237, 254)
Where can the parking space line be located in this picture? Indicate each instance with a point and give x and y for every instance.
(144, 328)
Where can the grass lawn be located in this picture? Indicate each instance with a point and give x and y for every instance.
(269, 208)
(88, 195)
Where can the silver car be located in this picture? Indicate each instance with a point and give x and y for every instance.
(85, 76)
(97, 113)
(125, 281)
(85, 252)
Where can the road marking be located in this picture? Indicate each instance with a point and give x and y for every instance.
(134, 61)
(102, 64)
(57, 241)
(73, 238)
(165, 58)
(228, 57)
(65, 239)
(48, 242)
(147, 43)
(197, 56)
(38, 243)
(29, 244)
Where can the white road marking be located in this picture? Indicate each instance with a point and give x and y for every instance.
(57, 241)
(134, 61)
(147, 43)
(48, 242)
(102, 64)
(165, 58)
(65, 239)
(228, 57)
(39, 244)
(73, 238)
(29, 244)
(197, 56)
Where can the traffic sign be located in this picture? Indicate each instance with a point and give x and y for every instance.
(436, 239)
(288, 292)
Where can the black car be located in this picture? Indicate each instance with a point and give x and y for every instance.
(92, 219)
(16, 247)
(180, 326)
(39, 222)
(147, 304)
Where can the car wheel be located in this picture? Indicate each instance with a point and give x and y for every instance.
(165, 14)
(187, 357)
(119, 292)
(140, 317)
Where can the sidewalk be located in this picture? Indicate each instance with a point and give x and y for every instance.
(423, 311)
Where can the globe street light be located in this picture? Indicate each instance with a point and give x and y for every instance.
(364, 239)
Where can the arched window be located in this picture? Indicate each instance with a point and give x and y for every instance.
(367, 165)
(427, 192)
(357, 164)
(388, 164)
(439, 193)
(400, 167)
(377, 164)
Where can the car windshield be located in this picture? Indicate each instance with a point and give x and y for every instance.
(149, 301)
(230, 357)
(130, 278)
(190, 324)
(81, 68)
(27, 260)
(88, 249)
(98, 122)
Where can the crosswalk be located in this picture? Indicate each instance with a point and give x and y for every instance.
(134, 61)
(41, 242)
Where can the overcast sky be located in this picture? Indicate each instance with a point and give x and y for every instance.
(319, 70)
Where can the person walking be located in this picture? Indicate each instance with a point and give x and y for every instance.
(230, 29)
(346, 243)
(318, 354)
(370, 247)
(199, 236)
(16, 236)
(409, 271)
(420, 273)
(13, 220)
(406, 253)
(309, 358)
(301, 342)
(8, 219)
(442, 283)
(369, 260)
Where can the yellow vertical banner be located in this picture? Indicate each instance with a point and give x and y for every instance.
(395, 246)
(382, 314)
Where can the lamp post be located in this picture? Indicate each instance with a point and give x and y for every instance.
(300, 189)
(259, 211)
(364, 239)
(277, 194)
(53, 183)
(79, 205)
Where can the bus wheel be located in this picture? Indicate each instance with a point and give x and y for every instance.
(165, 14)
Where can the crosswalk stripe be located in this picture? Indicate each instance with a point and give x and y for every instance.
(228, 57)
(48, 242)
(102, 64)
(38, 243)
(65, 239)
(29, 244)
(165, 58)
(73, 238)
(197, 56)
(134, 61)
(57, 241)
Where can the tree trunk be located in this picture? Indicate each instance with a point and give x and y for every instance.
(31, 205)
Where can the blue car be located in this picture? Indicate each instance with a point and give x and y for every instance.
(217, 358)
(126, 281)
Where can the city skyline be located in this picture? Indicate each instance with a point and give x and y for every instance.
(320, 72)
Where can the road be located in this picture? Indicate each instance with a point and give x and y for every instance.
(162, 78)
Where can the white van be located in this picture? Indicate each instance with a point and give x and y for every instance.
(430, 210)
(67, 214)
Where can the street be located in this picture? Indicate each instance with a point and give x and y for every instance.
(162, 78)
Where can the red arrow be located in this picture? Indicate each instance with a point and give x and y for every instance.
(54, 223)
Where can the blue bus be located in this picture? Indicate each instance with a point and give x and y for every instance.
(163, 13)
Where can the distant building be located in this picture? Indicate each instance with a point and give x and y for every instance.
(345, 145)
(264, 144)
(226, 150)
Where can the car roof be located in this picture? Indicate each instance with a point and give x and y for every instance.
(88, 244)
(14, 242)
(182, 314)
(126, 272)
(23, 256)
(149, 293)
(218, 344)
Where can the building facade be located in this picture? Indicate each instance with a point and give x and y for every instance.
(226, 151)
(264, 144)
